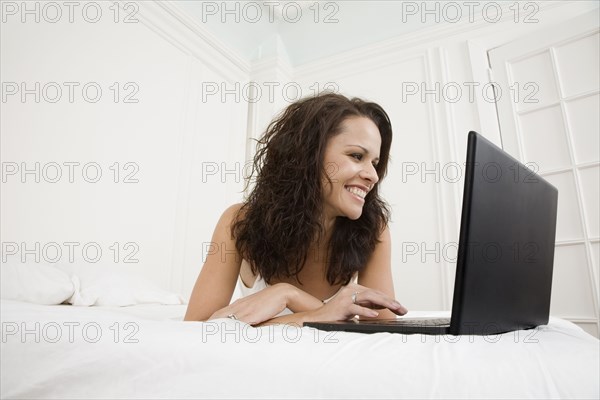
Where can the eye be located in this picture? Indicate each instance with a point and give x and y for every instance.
(356, 156)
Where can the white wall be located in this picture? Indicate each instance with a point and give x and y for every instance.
(191, 147)
(169, 135)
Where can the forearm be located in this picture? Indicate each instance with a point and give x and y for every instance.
(299, 301)
(297, 319)
(304, 306)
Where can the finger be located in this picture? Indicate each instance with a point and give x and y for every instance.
(400, 310)
(370, 305)
(381, 301)
(220, 313)
(363, 311)
(373, 306)
(228, 313)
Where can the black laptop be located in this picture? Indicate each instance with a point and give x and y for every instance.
(505, 253)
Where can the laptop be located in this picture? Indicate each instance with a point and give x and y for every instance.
(505, 253)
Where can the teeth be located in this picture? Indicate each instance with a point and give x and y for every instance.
(357, 191)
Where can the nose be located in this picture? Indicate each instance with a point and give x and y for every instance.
(369, 173)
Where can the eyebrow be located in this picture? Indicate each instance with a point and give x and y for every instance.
(364, 149)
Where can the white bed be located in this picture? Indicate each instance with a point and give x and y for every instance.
(156, 355)
(121, 336)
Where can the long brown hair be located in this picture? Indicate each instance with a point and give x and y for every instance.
(281, 217)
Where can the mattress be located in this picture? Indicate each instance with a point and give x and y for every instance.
(147, 351)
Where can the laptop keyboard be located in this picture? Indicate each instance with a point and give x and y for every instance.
(412, 322)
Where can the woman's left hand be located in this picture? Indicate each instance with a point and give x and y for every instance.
(258, 307)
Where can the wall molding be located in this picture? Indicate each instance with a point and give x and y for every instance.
(168, 21)
(419, 39)
(443, 139)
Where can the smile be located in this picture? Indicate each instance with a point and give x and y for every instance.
(356, 191)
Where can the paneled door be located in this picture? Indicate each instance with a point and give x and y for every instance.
(548, 116)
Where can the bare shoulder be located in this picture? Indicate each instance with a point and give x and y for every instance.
(385, 235)
(231, 211)
(229, 215)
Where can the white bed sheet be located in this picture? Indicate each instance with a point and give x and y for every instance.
(156, 355)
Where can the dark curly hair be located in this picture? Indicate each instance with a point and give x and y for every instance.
(281, 217)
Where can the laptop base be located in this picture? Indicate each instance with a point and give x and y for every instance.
(376, 326)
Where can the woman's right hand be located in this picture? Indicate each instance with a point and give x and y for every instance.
(367, 301)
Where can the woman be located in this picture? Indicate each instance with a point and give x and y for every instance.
(311, 227)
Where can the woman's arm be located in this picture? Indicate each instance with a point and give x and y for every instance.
(216, 282)
(299, 301)
(268, 302)
(377, 274)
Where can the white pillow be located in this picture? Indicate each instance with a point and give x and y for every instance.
(39, 283)
(97, 285)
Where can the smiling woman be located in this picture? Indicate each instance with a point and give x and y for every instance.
(313, 224)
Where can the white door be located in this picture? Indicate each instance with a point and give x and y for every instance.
(550, 121)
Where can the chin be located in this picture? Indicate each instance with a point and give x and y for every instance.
(353, 214)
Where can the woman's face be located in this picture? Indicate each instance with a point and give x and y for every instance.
(350, 160)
